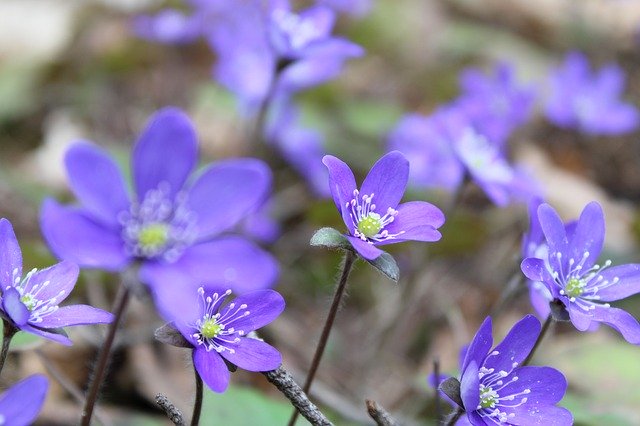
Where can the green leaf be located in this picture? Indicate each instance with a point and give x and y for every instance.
(331, 238)
(241, 406)
(386, 264)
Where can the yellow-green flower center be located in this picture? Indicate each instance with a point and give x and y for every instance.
(370, 225)
(29, 301)
(487, 397)
(574, 287)
(154, 236)
(210, 329)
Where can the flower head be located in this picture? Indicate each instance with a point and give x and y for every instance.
(31, 302)
(21, 403)
(589, 101)
(573, 278)
(170, 224)
(372, 213)
(496, 389)
(218, 329)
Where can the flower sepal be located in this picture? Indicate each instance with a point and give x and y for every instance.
(559, 311)
(451, 388)
(169, 335)
(333, 239)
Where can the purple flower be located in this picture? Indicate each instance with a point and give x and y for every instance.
(31, 303)
(589, 101)
(495, 389)
(495, 104)
(168, 26)
(372, 214)
(357, 8)
(574, 279)
(21, 403)
(219, 331)
(171, 224)
(446, 146)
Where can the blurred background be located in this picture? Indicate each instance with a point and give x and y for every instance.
(74, 70)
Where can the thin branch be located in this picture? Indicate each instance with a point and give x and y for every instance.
(170, 410)
(380, 415)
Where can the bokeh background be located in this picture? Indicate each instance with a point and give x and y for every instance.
(74, 70)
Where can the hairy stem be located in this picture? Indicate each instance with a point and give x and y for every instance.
(543, 332)
(454, 417)
(8, 332)
(282, 380)
(119, 305)
(349, 259)
(170, 410)
(197, 405)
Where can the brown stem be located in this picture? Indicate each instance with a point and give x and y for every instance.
(379, 414)
(119, 305)
(197, 406)
(8, 332)
(349, 258)
(543, 332)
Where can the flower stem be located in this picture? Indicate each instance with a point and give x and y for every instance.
(197, 405)
(282, 380)
(379, 414)
(436, 374)
(454, 417)
(119, 305)
(349, 258)
(543, 332)
(8, 332)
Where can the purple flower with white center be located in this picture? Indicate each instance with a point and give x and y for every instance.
(22, 402)
(372, 213)
(574, 279)
(496, 104)
(31, 303)
(171, 225)
(219, 331)
(496, 389)
(589, 101)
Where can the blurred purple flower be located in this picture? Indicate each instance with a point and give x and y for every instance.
(21, 403)
(357, 8)
(261, 225)
(445, 147)
(31, 303)
(495, 389)
(219, 331)
(495, 104)
(571, 275)
(169, 26)
(381, 191)
(171, 224)
(589, 101)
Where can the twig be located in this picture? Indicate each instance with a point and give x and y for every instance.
(170, 410)
(282, 380)
(379, 414)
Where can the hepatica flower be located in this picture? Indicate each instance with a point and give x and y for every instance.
(218, 330)
(570, 272)
(496, 389)
(30, 303)
(21, 403)
(589, 101)
(373, 214)
(171, 224)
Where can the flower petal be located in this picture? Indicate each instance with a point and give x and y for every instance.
(579, 318)
(470, 387)
(10, 255)
(419, 221)
(97, 182)
(588, 236)
(342, 184)
(212, 369)
(548, 415)
(226, 192)
(554, 232)
(75, 315)
(545, 385)
(72, 235)
(479, 346)
(628, 284)
(364, 249)
(13, 307)
(253, 355)
(264, 306)
(516, 345)
(619, 320)
(21, 403)
(166, 151)
(387, 180)
(55, 281)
